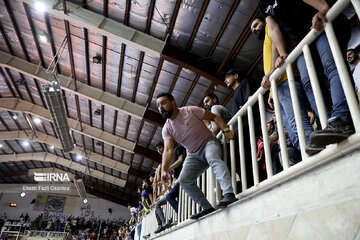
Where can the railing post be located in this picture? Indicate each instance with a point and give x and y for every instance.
(179, 205)
(280, 125)
(225, 158)
(242, 154)
(267, 149)
(211, 186)
(344, 76)
(253, 145)
(297, 110)
(356, 5)
(233, 162)
(315, 86)
(199, 185)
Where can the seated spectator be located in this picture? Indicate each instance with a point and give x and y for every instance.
(185, 126)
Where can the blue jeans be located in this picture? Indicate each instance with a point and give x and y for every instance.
(159, 212)
(288, 112)
(339, 105)
(209, 154)
(139, 229)
(172, 195)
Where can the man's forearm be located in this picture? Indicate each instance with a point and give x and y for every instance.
(177, 163)
(317, 4)
(220, 122)
(166, 159)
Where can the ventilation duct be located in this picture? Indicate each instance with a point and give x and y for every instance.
(55, 104)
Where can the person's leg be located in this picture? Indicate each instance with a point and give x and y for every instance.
(139, 229)
(159, 212)
(288, 112)
(213, 154)
(193, 167)
(339, 106)
(305, 80)
(172, 195)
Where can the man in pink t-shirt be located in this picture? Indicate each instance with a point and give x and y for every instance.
(185, 125)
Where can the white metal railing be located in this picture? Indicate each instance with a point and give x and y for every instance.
(207, 182)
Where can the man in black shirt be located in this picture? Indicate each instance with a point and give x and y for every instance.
(242, 92)
(295, 18)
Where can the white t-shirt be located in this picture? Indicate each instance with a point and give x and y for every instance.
(356, 76)
(133, 211)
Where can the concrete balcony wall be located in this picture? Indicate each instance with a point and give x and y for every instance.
(322, 203)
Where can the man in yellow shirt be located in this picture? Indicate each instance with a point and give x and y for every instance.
(261, 31)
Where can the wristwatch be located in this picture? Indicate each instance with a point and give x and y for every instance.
(226, 129)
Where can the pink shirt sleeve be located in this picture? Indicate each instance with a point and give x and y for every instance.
(165, 132)
(198, 112)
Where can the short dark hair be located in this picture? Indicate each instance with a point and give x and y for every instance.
(147, 181)
(212, 96)
(164, 94)
(129, 205)
(152, 175)
(351, 49)
(259, 18)
(159, 144)
(235, 71)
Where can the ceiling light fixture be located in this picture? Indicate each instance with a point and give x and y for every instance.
(97, 59)
(52, 147)
(1, 145)
(97, 112)
(39, 6)
(44, 38)
(79, 157)
(25, 143)
(37, 120)
(15, 116)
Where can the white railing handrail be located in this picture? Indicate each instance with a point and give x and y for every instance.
(186, 205)
(338, 7)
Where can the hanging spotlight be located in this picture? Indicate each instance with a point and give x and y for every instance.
(44, 37)
(39, 6)
(1, 145)
(25, 143)
(85, 201)
(97, 59)
(52, 147)
(14, 116)
(79, 157)
(37, 120)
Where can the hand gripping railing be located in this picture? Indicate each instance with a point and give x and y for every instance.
(207, 181)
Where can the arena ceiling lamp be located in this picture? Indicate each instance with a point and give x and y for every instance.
(40, 6)
(37, 120)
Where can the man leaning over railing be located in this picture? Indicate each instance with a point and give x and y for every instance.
(185, 126)
(295, 18)
(270, 54)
